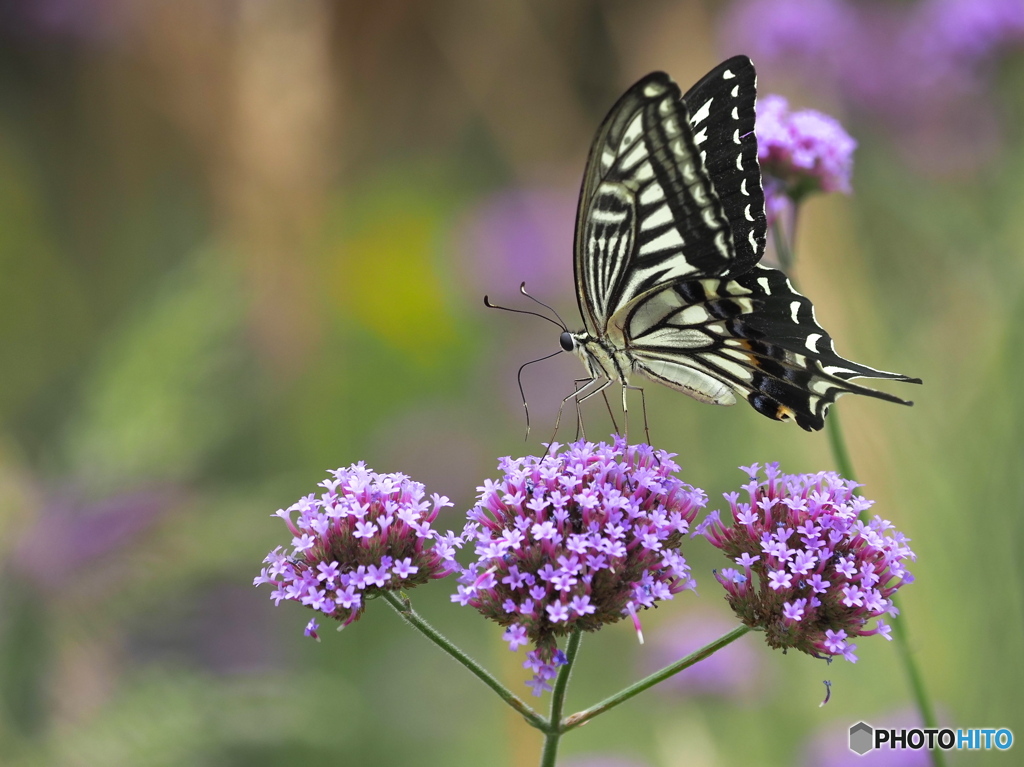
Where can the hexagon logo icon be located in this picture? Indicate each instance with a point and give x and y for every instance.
(861, 738)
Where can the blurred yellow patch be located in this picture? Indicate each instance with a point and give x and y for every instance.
(385, 279)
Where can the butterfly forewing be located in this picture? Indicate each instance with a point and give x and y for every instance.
(721, 110)
(650, 211)
(752, 335)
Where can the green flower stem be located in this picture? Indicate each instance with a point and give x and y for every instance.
(555, 732)
(782, 249)
(845, 466)
(899, 624)
(839, 452)
(403, 607)
(921, 699)
(583, 717)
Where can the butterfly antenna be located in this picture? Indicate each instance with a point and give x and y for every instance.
(519, 379)
(489, 305)
(522, 289)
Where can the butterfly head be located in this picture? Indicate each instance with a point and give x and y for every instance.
(600, 356)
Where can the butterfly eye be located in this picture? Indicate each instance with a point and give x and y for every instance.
(566, 341)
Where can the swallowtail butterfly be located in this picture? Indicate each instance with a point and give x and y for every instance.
(669, 231)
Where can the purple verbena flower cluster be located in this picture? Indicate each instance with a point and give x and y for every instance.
(574, 540)
(801, 152)
(822, 573)
(365, 533)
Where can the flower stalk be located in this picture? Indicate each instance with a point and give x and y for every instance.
(555, 730)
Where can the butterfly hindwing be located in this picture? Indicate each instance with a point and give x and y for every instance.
(753, 336)
(650, 210)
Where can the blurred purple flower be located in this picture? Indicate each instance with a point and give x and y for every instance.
(516, 235)
(800, 153)
(830, 746)
(512, 236)
(85, 20)
(877, 53)
(70, 535)
(968, 31)
(919, 66)
(818, 31)
(218, 627)
(575, 540)
(732, 672)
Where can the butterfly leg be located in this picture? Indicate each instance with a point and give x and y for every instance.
(591, 386)
(608, 406)
(601, 385)
(579, 413)
(574, 396)
(643, 407)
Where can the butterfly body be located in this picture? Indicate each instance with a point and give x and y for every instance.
(609, 358)
(669, 231)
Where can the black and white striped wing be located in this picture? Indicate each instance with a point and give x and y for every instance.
(667, 195)
(721, 108)
(753, 336)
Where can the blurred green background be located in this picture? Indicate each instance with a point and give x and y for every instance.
(245, 242)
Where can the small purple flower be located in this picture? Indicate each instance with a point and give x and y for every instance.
(800, 152)
(404, 568)
(311, 628)
(581, 605)
(558, 612)
(794, 611)
(817, 607)
(779, 579)
(613, 499)
(365, 533)
(515, 635)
